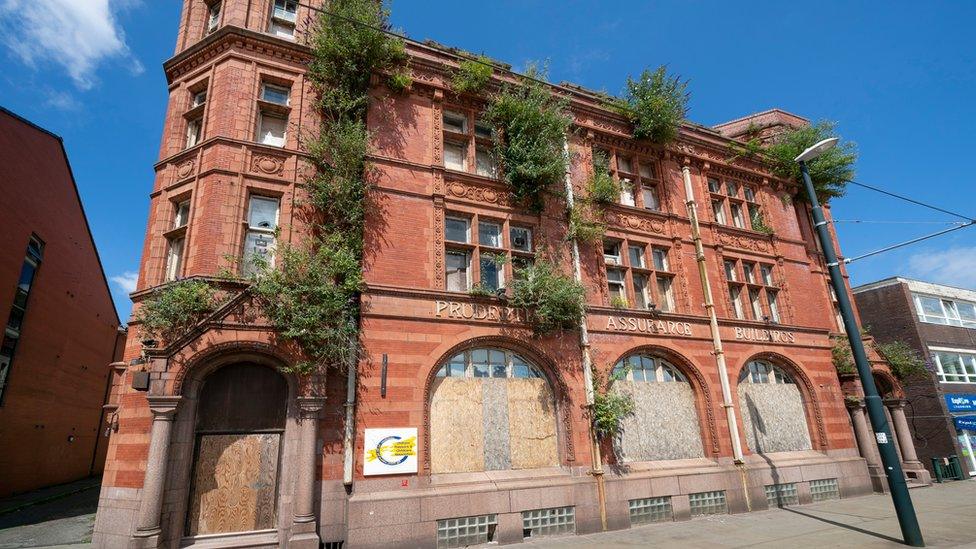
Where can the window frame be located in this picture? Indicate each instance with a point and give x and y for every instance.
(475, 140)
(447, 368)
(949, 306)
(662, 367)
(270, 233)
(283, 22)
(967, 372)
(753, 290)
(734, 203)
(478, 253)
(639, 175)
(650, 296)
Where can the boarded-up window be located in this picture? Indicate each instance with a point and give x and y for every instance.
(491, 410)
(240, 422)
(664, 424)
(773, 414)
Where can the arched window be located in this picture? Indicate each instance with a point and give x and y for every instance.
(773, 412)
(488, 363)
(240, 422)
(664, 424)
(648, 368)
(491, 409)
(760, 371)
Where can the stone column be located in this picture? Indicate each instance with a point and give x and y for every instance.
(891, 427)
(303, 530)
(866, 445)
(147, 534)
(899, 426)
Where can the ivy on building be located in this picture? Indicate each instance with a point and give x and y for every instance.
(602, 187)
(528, 146)
(311, 296)
(903, 361)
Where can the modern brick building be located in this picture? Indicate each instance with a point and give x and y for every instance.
(61, 330)
(497, 417)
(939, 322)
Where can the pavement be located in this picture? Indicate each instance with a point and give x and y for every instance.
(59, 516)
(946, 513)
(63, 516)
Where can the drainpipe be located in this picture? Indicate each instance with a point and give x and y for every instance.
(596, 468)
(723, 373)
(347, 438)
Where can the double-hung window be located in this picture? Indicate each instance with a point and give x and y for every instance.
(273, 110)
(18, 309)
(476, 252)
(284, 16)
(638, 182)
(942, 310)
(260, 241)
(194, 116)
(650, 277)
(213, 16)
(176, 239)
(752, 292)
(464, 135)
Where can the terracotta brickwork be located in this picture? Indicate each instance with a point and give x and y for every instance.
(412, 320)
(51, 428)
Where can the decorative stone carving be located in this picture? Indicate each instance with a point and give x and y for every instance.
(631, 222)
(744, 242)
(184, 169)
(478, 193)
(439, 243)
(267, 164)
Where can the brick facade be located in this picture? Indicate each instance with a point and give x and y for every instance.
(412, 320)
(51, 428)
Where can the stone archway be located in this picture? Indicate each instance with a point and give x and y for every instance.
(773, 408)
(240, 425)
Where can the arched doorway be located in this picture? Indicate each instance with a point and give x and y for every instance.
(491, 409)
(665, 422)
(240, 423)
(773, 412)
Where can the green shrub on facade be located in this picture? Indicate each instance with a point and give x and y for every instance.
(829, 172)
(842, 357)
(399, 81)
(903, 361)
(759, 223)
(609, 407)
(584, 226)
(602, 187)
(173, 310)
(656, 105)
(472, 75)
(555, 300)
(532, 128)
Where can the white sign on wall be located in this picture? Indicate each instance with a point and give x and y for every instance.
(390, 451)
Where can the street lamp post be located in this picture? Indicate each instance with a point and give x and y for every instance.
(889, 457)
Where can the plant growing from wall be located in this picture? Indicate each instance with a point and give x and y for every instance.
(311, 296)
(759, 223)
(842, 357)
(609, 407)
(555, 300)
(173, 310)
(399, 81)
(618, 302)
(472, 75)
(528, 147)
(657, 103)
(584, 224)
(602, 187)
(903, 361)
(829, 172)
(750, 147)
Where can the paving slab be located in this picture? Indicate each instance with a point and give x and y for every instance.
(946, 513)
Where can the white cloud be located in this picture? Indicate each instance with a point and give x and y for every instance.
(76, 34)
(62, 101)
(126, 281)
(953, 266)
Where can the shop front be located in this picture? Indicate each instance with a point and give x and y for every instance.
(962, 407)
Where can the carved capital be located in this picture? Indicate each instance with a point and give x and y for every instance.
(164, 408)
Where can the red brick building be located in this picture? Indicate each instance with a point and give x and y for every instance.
(60, 327)
(503, 449)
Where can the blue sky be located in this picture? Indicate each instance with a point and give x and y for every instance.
(899, 77)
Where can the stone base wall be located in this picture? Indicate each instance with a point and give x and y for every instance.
(383, 514)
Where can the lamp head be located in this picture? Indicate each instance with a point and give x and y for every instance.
(817, 149)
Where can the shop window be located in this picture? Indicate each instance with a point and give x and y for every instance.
(774, 415)
(260, 241)
(498, 406)
(468, 144)
(18, 309)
